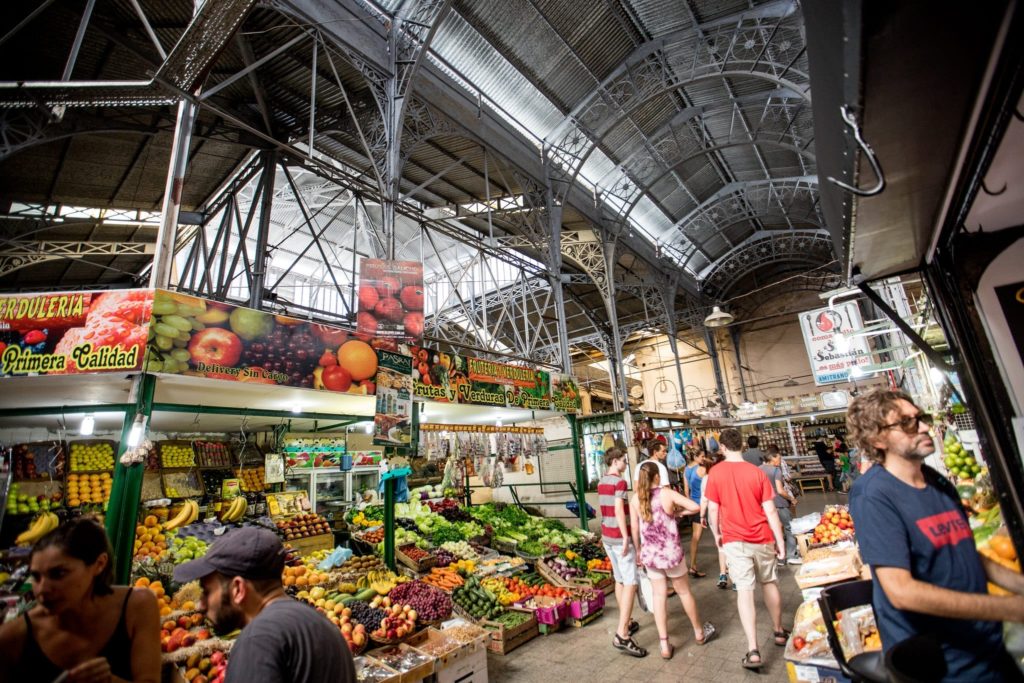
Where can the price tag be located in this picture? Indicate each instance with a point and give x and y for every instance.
(273, 469)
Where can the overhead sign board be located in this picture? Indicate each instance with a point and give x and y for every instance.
(833, 347)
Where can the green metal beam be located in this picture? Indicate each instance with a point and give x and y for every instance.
(67, 410)
(254, 412)
(581, 482)
(126, 490)
(389, 523)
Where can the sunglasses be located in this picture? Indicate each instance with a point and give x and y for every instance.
(911, 423)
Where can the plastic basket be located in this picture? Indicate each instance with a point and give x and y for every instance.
(574, 507)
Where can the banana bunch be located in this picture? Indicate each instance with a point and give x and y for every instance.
(41, 525)
(235, 510)
(382, 580)
(189, 513)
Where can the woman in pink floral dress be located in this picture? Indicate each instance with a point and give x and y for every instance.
(653, 511)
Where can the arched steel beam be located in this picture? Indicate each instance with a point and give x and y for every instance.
(765, 248)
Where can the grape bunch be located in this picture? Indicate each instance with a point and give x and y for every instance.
(362, 613)
(288, 349)
(169, 333)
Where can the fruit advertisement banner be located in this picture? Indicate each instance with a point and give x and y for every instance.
(203, 338)
(533, 396)
(565, 393)
(74, 332)
(438, 376)
(831, 350)
(392, 424)
(391, 299)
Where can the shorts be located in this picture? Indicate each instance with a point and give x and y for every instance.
(691, 520)
(670, 573)
(623, 568)
(750, 563)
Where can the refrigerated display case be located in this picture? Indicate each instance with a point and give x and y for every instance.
(331, 491)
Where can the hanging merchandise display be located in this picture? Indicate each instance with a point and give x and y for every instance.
(392, 422)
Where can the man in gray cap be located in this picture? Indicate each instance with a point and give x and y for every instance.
(282, 639)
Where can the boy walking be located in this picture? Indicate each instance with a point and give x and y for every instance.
(615, 535)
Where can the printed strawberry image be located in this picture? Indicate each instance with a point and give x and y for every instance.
(114, 320)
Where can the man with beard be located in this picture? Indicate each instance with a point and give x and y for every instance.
(282, 639)
(928, 577)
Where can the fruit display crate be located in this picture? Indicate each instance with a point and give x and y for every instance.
(411, 675)
(39, 460)
(182, 483)
(418, 566)
(99, 455)
(504, 640)
(251, 479)
(166, 448)
(214, 454)
(445, 652)
(152, 486)
(310, 544)
(75, 480)
(27, 497)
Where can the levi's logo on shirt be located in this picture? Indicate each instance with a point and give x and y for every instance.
(945, 528)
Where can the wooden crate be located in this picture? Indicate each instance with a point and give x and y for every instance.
(580, 623)
(500, 632)
(419, 567)
(417, 673)
(503, 647)
(310, 544)
(471, 669)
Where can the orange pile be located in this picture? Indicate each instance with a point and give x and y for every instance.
(835, 525)
(302, 576)
(88, 488)
(149, 540)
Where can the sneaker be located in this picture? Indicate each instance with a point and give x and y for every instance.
(629, 646)
(723, 581)
(795, 560)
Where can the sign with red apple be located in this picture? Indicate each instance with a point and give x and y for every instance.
(390, 300)
(218, 340)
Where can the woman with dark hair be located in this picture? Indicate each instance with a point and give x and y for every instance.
(83, 628)
(653, 511)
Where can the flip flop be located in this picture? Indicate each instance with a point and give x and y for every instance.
(781, 637)
(697, 574)
(748, 663)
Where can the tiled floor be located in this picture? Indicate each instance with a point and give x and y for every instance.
(574, 655)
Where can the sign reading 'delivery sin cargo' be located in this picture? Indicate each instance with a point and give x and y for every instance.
(74, 332)
(831, 349)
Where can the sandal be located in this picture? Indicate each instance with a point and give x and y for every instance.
(697, 574)
(629, 646)
(671, 648)
(709, 633)
(749, 663)
(633, 627)
(781, 637)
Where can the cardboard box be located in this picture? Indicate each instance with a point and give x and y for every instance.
(472, 669)
(310, 544)
(547, 610)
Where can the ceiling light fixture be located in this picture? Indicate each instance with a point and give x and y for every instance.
(296, 408)
(718, 318)
(369, 427)
(791, 383)
(88, 425)
(856, 371)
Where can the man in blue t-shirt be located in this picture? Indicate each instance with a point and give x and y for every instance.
(912, 530)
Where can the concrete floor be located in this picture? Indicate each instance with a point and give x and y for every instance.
(587, 653)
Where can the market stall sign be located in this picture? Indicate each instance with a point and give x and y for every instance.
(437, 375)
(392, 425)
(823, 329)
(565, 393)
(74, 332)
(218, 340)
(390, 299)
(480, 429)
(782, 406)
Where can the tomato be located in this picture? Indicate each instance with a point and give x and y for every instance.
(799, 643)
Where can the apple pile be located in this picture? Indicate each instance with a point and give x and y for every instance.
(398, 624)
(390, 303)
(303, 526)
(835, 525)
(353, 632)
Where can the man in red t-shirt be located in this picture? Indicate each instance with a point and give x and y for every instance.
(746, 526)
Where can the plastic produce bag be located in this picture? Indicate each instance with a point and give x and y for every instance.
(337, 557)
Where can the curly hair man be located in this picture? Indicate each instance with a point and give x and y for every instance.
(911, 527)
